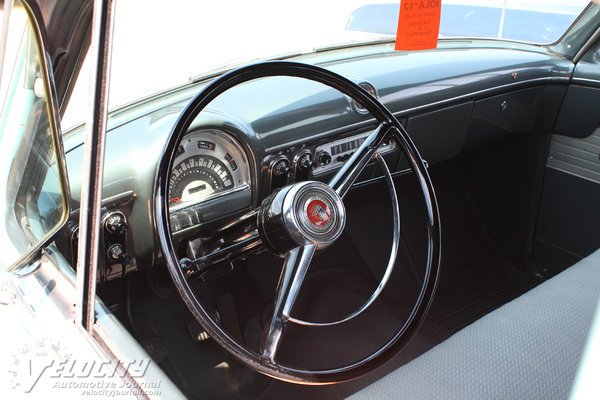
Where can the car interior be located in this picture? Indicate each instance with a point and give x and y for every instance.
(508, 140)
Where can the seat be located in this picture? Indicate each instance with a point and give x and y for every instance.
(530, 348)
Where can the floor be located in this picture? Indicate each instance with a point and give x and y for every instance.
(474, 280)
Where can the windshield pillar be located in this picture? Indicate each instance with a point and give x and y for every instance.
(93, 164)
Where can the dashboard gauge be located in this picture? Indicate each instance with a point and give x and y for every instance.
(197, 178)
(210, 177)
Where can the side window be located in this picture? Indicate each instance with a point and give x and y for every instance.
(32, 191)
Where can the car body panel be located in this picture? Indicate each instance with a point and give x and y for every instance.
(38, 317)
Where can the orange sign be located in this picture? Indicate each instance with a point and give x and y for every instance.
(418, 24)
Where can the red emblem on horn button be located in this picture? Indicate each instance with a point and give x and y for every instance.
(318, 212)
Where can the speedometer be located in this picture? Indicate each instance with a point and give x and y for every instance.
(210, 178)
(197, 178)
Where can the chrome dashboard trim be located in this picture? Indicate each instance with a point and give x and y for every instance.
(586, 81)
(335, 163)
(121, 198)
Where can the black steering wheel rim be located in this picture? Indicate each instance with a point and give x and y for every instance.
(384, 116)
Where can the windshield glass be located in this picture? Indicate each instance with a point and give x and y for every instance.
(159, 45)
(32, 197)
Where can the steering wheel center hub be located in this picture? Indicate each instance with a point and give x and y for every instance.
(302, 214)
(318, 212)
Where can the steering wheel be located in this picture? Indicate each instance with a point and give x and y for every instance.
(298, 220)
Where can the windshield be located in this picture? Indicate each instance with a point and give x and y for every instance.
(159, 45)
(32, 196)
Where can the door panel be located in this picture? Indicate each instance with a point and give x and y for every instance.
(568, 226)
(577, 157)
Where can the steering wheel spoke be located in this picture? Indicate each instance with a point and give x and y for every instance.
(293, 272)
(347, 175)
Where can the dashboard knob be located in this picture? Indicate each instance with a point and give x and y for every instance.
(281, 168)
(324, 158)
(116, 253)
(306, 162)
(116, 223)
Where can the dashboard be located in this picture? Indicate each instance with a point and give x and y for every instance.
(273, 132)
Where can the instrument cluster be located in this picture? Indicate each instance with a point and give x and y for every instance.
(210, 178)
